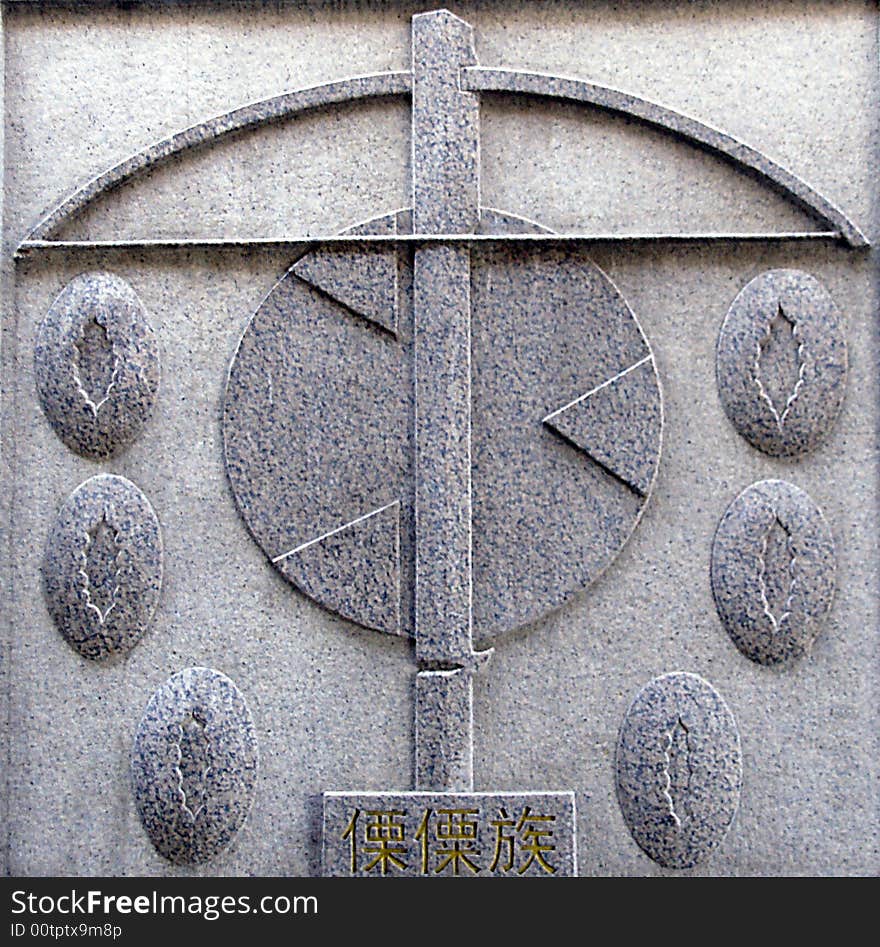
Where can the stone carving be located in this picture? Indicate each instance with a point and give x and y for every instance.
(448, 835)
(773, 571)
(102, 568)
(679, 769)
(97, 364)
(412, 408)
(782, 362)
(194, 765)
(396, 450)
(476, 79)
(430, 444)
(307, 364)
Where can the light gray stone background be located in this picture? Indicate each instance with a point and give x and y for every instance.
(88, 84)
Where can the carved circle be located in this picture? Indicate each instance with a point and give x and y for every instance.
(194, 765)
(97, 364)
(781, 362)
(564, 438)
(102, 569)
(679, 769)
(773, 571)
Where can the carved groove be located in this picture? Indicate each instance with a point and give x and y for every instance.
(94, 346)
(194, 765)
(780, 323)
(96, 364)
(191, 785)
(679, 769)
(776, 526)
(97, 538)
(773, 567)
(676, 757)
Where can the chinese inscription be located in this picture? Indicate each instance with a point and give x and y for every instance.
(449, 835)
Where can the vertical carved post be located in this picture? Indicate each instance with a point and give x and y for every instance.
(445, 169)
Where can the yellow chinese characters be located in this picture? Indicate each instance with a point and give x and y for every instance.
(453, 841)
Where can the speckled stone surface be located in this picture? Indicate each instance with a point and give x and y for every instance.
(773, 571)
(362, 280)
(444, 730)
(445, 126)
(319, 450)
(97, 364)
(441, 409)
(89, 84)
(247, 117)
(316, 436)
(782, 361)
(477, 79)
(194, 765)
(356, 564)
(449, 835)
(102, 569)
(679, 769)
(405, 547)
(619, 424)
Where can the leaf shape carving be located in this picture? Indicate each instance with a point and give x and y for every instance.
(100, 570)
(780, 365)
(95, 365)
(676, 770)
(192, 766)
(777, 573)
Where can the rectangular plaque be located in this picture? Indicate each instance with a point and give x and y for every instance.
(449, 834)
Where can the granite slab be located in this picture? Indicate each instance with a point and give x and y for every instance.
(606, 181)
